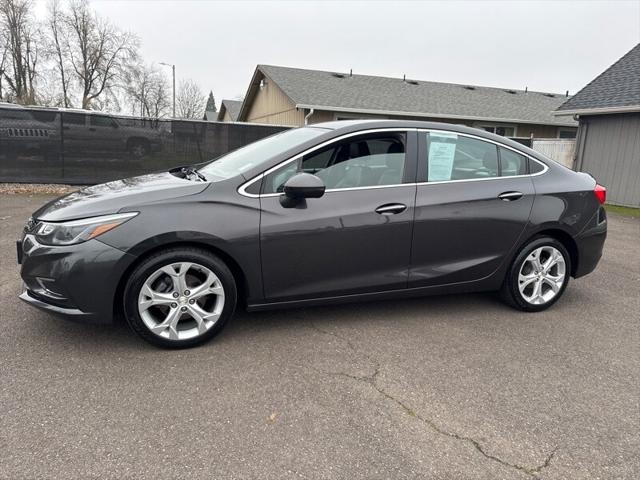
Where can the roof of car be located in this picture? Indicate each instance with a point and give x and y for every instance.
(333, 91)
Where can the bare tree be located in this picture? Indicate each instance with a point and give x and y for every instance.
(58, 45)
(19, 43)
(3, 61)
(99, 53)
(148, 90)
(190, 101)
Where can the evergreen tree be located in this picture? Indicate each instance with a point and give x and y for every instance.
(211, 103)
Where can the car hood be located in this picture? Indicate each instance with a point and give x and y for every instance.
(110, 197)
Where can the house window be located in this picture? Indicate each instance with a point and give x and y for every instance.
(500, 130)
(567, 133)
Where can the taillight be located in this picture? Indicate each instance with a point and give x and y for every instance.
(601, 193)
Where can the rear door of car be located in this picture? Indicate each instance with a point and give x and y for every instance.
(473, 202)
(354, 239)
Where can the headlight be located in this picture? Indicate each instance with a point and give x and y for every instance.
(78, 231)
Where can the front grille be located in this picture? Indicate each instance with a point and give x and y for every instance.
(27, 132)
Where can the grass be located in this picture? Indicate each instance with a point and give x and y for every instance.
(626, 211)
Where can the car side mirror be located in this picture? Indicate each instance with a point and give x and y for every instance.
(304, 185)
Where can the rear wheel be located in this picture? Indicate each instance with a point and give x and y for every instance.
(538, 275)
(180, 298)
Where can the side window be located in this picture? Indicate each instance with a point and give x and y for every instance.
(362, 162)
(456, 157)
(317, 160)
(535, 167)
(512, 163)
(101, 121)
(44, 116)
(74, 119)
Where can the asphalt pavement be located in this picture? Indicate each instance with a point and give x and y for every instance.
(442, 387)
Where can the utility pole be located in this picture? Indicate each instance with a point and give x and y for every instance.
(173, 70)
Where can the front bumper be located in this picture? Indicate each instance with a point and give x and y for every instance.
(68, 313)
(78, 282)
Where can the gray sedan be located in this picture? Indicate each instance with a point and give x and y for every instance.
(334, 212)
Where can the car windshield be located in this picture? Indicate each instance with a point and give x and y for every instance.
(245, 158)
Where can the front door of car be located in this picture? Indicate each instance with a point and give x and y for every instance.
(473, 203)
(357, 237)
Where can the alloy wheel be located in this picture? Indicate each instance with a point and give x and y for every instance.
(541, 275)
(181, 300)
(138, 150)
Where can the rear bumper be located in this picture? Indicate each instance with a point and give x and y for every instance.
(590, 243)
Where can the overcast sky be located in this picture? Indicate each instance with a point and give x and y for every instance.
(545, 45)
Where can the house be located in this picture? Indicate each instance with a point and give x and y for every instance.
(229, 110)
(608, 142)
(294, 96)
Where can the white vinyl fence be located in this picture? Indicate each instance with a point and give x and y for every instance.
(560, 150)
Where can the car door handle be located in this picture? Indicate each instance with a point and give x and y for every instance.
(391, 208)
(510, 196)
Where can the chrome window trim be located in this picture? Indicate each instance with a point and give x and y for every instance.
(545, 167)
(242, 188)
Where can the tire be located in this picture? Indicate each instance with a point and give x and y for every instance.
(181, 309)
(138, 148)
(552, 280)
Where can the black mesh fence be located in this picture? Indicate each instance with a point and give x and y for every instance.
(53, 146)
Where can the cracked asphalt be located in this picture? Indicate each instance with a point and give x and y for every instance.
(442, 387)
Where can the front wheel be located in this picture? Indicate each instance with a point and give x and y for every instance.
(538, 275)
(180, 297)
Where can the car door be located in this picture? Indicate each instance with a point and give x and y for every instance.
(354, 239)
(473, 202)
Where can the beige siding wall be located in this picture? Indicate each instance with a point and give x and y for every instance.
(271, 105)
(522, 129)
(226, 117)
(320, 116)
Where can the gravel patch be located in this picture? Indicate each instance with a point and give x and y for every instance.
(37, 188)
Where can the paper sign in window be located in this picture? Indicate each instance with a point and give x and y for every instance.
(441, 154)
